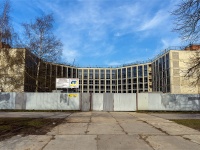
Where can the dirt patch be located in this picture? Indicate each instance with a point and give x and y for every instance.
(26, 126)
(192, 123)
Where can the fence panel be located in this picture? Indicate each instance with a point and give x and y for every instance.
(97, 101)
(108, 102)
(85, 100)
(68, 101)
(100, 101)
(143, 101)
(42, 101)
(7, 100)
(181, 102)
(124, 102)
(154, 101)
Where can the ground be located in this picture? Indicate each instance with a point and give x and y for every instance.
(106, 131)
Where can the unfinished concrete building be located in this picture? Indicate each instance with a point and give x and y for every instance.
(165, 73)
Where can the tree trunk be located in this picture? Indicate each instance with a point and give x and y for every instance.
(37, 76)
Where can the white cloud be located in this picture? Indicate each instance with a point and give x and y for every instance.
(101, 51)
(93, 28)
(113, 63)
(123, 61)
(158, 19)
(70, 55)
(167, 42)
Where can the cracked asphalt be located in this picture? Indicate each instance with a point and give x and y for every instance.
(108, 131)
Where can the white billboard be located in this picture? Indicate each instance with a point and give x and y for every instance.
(67, 83)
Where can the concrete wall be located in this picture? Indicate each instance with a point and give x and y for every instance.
(97, 102)
(155, 101)
(100, 101)
(108, 101)
(183, 102)
(40, 101)
(85, 101)
(143, 101)
(7, 100)
(125, 102)
(168, 102)
(113, 102)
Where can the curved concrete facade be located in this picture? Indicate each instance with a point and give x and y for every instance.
(164, 74)
(127, 79)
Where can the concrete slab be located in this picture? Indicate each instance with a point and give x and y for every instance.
(171, 143)
(193, 138)
(126, 120)
(73, 142)
(121, 114)
(174, 129)
(81, 114)
(31, 142)
(104, 128)
(78, 119)
(109, 130)
(123, 117)
(121, 142)
(103, 120)
(146, 117)
(139, 127)
(101, 114)
(69, 128)
(60, 115)
(72, 128)
(132, 113)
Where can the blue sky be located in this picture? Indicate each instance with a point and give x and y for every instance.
(105, 32)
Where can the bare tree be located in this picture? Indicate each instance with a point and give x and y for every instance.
(6, 29)
(10, 77)
(40, 40)
(187, 24)
(187, 17)
(194, 69)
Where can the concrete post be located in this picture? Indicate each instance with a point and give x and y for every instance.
(137, 101)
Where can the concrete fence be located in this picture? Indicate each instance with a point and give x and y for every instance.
(108, 102)
(168, 102)
(39, 101)
(100, 101)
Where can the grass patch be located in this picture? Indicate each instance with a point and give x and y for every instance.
(36, 123)
(5, 128)
(19, 110)
(192, 123)
(169, 112)
(26, 126)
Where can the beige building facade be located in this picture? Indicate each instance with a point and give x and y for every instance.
(12, 69)
(165, 73)
(169, 72)
(180, 62)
